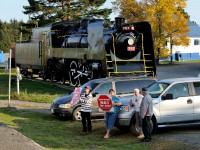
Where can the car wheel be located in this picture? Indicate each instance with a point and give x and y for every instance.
(77, 114)
(134, 129)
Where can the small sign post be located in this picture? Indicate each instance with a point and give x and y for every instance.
(9, 89)
(18, 78)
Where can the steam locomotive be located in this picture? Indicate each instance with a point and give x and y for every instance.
(86, 49)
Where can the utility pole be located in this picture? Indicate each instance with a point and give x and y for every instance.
(21, 34)
(171, 46)
(9, 89)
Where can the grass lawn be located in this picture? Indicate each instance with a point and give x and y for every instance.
(54, 134)
(30, 90)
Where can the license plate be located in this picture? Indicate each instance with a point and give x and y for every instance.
(52, 111)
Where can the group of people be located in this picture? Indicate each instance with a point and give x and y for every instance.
(143, 112)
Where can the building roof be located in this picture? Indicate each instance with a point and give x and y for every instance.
(194, 29)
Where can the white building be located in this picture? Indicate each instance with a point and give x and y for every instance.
(191, 52)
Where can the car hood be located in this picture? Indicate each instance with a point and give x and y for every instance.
(64, 99)
(126, 100)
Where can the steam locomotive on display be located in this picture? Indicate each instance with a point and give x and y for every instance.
(87, 49)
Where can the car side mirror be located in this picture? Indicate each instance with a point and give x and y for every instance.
(168, 96)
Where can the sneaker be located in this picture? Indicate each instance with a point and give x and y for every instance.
(141, 136)
(146, 140)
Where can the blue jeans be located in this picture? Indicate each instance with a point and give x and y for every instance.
(110, 119)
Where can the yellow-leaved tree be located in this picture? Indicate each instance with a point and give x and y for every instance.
(168, 20)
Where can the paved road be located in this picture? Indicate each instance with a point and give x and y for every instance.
(178, 70)
(11, 139)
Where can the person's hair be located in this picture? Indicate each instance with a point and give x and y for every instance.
(136, 90)
(111, 90)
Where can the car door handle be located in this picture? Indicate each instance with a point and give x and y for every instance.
(189, 101)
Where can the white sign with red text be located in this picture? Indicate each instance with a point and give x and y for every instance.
(105, 103)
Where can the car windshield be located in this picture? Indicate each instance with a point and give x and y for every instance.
(157, 88)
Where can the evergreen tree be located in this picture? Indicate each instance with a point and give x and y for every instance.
(49, 11)
(9, 34)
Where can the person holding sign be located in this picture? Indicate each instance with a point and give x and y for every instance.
(86, 109)
(111, 116)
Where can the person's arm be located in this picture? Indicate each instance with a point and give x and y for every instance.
(89, 101)
(131, 102)
(143, 108)
(117, 102)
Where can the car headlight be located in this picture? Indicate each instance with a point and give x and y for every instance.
(124, 108)
(65, 106)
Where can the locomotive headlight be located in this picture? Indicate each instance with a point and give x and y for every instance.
(130, 41)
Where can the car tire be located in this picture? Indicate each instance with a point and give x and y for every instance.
(134, 129)
(77, 114)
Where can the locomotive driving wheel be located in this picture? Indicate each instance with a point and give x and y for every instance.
(84, 74)
(73, 74)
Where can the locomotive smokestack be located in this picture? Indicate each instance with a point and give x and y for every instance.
(119, 21)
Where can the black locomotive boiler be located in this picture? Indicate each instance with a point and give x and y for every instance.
(80, 51)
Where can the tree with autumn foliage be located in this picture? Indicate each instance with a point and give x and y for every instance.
(49, 11)
(168, 20)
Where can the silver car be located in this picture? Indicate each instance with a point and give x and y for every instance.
(175, 102)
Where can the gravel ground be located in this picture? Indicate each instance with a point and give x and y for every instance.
(189, 135)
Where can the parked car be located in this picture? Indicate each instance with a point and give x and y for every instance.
(175, 102)
(123, 86)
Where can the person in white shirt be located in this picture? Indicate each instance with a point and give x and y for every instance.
(136, 102)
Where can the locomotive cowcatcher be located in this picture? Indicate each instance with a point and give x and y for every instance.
(87, 49)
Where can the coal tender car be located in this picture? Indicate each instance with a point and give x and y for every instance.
(87, 49)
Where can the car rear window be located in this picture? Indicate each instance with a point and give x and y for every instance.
(125, 87)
